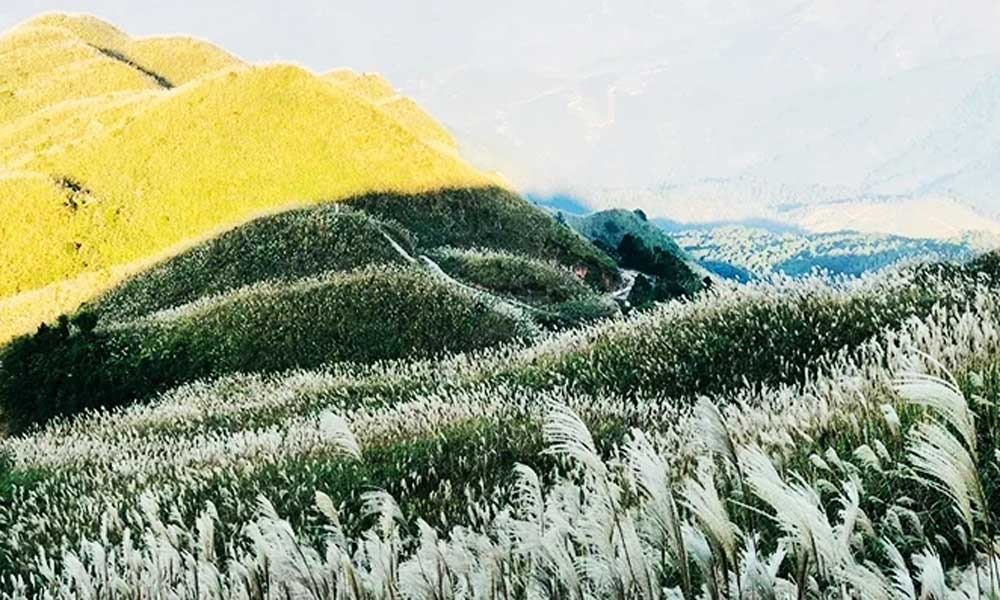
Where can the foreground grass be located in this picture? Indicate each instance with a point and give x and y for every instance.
(843, 475)
(444, 437)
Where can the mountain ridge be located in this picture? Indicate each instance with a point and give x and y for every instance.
(107, 175)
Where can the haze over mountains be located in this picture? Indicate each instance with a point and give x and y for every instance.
(711, 112)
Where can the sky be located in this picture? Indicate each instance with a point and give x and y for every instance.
(805, 100)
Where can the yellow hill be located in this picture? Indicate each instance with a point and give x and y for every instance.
(376, 90)
(98, 178)
(43, 66)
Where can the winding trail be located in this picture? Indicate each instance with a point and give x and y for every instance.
(513, 307)
(622, 293)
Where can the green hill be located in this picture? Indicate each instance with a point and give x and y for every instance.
(545, 285)
(371, 314)
(608, 227)
(284, 247)
(665, 270)
(492, 218)
(311, 287)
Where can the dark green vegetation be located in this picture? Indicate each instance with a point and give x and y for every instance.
(492, 218)
(665, 270)
(261, 298)
(608, 227)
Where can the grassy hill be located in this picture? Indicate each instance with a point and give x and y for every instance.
(282, 248)
(492, 218)
(609, 227)
(310, 287)
(545, 285)
(310, 385)
(105, 169)
(376, 313)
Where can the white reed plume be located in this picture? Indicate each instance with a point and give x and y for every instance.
(797, 512)
(760, 579)
(336, 431)
(565, 434)
(945, 464)
(944, 399)
(930, 573)
(715, 433)
(902, 582)
(651, 474)
(701, 498)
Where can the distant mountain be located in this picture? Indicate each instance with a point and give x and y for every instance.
(742, 253)
(810, 209)
(827, 100)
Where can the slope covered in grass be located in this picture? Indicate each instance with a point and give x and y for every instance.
(376, 313)
(543, 284)
(444, 438)
(248, 300)
(211, 154)
(118, 152)
(492, 218)
(174, 60)
(283, 247)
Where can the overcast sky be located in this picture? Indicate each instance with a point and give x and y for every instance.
(588, 94)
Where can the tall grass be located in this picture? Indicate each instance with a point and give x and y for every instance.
(618, 513)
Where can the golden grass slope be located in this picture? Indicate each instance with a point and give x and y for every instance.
(43, 66)
(178, 59)
(101, 167)
(376, 90)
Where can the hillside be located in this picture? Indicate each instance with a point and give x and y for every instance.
(106, 168)
(310, 287)
(294, 347)
(665, 271)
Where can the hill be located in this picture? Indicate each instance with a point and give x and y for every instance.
(492, 218)
(310, 287)
(361, 316)
(106, 169)
(664, 270)
(282, 248)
